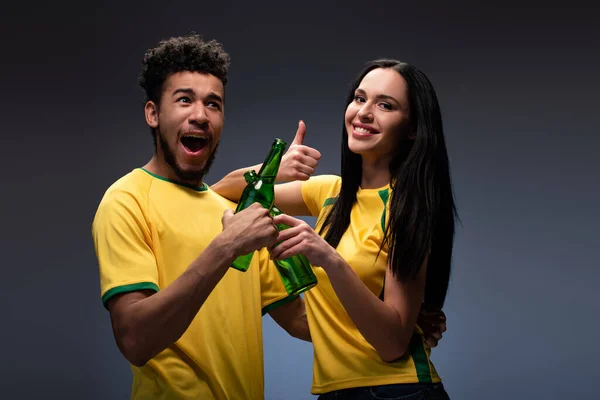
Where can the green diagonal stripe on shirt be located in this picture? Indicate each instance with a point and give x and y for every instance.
(419, 356)
(329, 201)
(384, 194)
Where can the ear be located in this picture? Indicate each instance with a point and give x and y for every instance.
(151, 112)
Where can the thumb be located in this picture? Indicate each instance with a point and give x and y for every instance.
(300, 133)
(226, 215)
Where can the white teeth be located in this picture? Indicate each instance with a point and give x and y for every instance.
(361, 130)
(196, 136)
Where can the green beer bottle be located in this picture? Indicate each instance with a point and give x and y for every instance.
(260, 189)
(295, 272)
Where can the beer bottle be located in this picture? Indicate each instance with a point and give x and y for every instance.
(295, 272)
(260, 189)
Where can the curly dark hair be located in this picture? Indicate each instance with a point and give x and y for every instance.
(183, 53)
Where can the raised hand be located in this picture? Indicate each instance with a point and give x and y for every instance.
(250, 229)
(300, 161)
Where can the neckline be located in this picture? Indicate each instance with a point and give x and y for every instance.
(379, 189)
(202, 188)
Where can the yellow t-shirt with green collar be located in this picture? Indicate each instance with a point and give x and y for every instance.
(342, 356)
(147, 230)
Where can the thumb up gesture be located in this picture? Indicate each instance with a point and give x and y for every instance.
(299, 161)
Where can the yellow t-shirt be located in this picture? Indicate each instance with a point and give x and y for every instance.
(342, 356)
(147, 230)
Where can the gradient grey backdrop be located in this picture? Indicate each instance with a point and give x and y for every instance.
(518, 92)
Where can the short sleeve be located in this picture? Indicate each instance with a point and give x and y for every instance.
(320, 191)
(273, 293)
(122, 240)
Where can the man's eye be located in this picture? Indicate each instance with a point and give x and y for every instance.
(214, 104)
(184, 99)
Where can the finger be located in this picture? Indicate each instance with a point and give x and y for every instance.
(268, 232)
(304, 170)
(432, 321)
(289, 233)
(287, 249)
(431, 342)
(433, 326)
(301, 176)
(258, 210)
(255, 205)
(300, 133)
(287, 220)
(308, 161)
(304, 164)
(307, 151)
(280, 246)
(311, 152)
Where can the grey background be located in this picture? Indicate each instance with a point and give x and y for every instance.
(518, 92)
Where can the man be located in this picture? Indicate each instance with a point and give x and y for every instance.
(189, 325)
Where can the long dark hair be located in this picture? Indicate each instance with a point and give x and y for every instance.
(422, 209)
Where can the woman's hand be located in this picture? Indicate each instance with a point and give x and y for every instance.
(387, 325)
(433, 324)
(299, 161)
(301, 238)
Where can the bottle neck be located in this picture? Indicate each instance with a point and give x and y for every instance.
(270, 167)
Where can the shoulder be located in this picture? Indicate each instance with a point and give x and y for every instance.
(129, 191)
(136, 183)
(319, 191)
(323, 183)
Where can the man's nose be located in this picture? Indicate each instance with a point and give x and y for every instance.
(199, 115)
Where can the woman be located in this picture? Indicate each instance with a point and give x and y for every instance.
(384, 242)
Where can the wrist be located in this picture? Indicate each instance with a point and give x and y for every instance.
(224, 248)
(334, 263)
(280, 178)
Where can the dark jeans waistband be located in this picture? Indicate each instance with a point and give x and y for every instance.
(409, 391)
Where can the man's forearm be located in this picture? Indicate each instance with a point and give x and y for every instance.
(145, 326)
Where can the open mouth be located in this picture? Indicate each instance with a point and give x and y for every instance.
(194, 144)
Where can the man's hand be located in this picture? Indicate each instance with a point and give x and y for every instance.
(250, 229)
(433, 323)
(299, 161)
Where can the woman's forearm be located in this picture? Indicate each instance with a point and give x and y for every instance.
(381, 324)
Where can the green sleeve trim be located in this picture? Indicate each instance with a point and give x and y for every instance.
(277, 303)
(128, 288)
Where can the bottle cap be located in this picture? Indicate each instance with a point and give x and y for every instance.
(250, 176)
